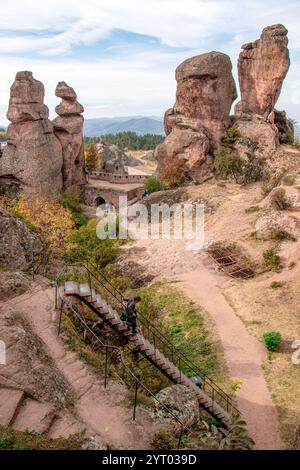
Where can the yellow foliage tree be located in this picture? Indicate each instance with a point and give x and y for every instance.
(51, 221)
(91, 157)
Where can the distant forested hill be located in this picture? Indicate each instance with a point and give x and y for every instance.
(129, 140)
(139, 124)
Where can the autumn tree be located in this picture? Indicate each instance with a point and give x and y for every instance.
(173, 172)
(91, 157)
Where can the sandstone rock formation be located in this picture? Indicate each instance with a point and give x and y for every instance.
(68, 128)
(182, 402)
(262, 67)
(32, 161)
(19, 247)
(111, 158)
(205, 93)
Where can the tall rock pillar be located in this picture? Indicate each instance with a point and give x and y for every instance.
(31, 163)
(68, 127)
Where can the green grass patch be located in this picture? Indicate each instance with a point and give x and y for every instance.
(281, 235)
(252, 209)
(271, 260)
(14, 440)
(183, 323)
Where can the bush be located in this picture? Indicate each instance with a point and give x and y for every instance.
(278, 199)
(173, 172)
(71, 199)
(272, 340)
(228, 164)
(271, 260)
(230, 138)
(276, 285)
(86, 246)
(164, 440)
(282, 235)
(152, 185)
(255, 169)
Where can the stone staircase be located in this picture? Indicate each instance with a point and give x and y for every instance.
(104, 311)
(22, 413)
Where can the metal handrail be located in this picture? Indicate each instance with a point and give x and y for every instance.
(150, 328)
(105, 346)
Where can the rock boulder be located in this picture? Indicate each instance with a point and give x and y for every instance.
(182, 402)
(111, 158)
(205, 93)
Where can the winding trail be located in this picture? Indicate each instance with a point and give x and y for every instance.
(244, 354)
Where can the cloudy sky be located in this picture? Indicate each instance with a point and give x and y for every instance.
(120, 55)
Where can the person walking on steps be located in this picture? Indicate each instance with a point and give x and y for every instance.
(129, 316)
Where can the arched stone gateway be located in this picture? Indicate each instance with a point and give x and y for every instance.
(99, 201)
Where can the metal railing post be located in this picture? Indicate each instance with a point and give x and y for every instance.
(106, 368)
(180, 438)
(60, 317)
(135, 399)
(56, 296)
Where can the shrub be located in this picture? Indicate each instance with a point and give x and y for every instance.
(271, 260)
(296, 144)
(282, 235)
(276, 285)
(289, 180)
(86, 246)
(164, 441)
(173, 172)
(230, 138)
(255, 169)
(272, 340)
(278, 200)
(152, 185)
(71, 199)
(228, 164)
(252, 209)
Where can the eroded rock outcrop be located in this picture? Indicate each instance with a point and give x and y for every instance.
(111, 158)
(19, 247)
(32, 160)
(262, 67)
(205, 93)
(68, 127)
(182, 402)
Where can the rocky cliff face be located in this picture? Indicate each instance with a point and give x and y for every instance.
(262, 67)
(111, 158)
(19, 247)
(205, 93)
(32, 161)
(68, 127)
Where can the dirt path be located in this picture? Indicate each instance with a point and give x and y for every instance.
(96, 411)
(244, 354)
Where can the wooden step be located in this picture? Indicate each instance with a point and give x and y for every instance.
(84, 290)
(71, 288)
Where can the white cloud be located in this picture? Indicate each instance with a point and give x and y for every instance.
(134, 82)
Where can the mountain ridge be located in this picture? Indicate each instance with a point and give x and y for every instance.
(139, 124)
